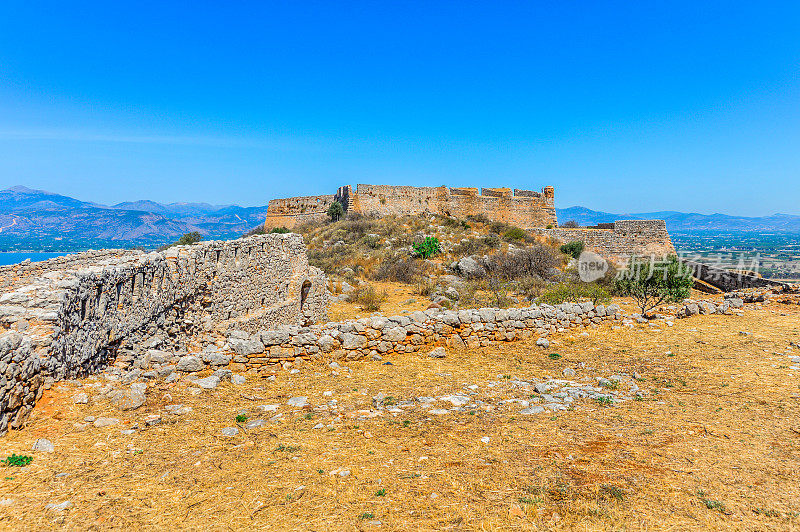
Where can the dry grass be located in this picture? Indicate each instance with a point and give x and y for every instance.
(722, 427)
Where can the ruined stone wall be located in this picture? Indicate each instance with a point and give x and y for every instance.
(355, 339)
(625, 238)
(66, 323)
(291, 212)
(524, 208)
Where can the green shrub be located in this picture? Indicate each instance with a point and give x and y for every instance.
(573, 292)
(17, 460)
(335, 211)
(427, 248)
(186, 240)
(573, 249)
(280, 230)
(515, 233)
(652, 283)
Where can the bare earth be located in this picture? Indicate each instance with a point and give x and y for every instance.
(713, 445)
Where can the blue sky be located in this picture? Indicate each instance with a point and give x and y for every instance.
(622, 106)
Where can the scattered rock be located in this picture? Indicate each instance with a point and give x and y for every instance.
(59, 507)
(543, 342)
(207, 383)
(230, 431)
(297, 402)
(105, 422)
(81, 398)
(238, 379)
(190, 363)
(43, 445)
(438, 352)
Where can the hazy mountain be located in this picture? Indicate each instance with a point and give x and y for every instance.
(689, 222)
(39, 220)
(36, 219)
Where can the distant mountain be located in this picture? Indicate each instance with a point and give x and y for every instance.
(40, 220)
(44, 221)
(688, 222)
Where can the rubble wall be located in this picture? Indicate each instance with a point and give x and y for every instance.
(69, 322)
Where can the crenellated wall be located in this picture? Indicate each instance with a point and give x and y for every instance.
(524, 208)
(619, 240)
(67, 318)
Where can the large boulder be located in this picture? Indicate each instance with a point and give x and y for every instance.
(470, 268)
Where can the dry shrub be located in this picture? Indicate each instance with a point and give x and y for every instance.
(369, 298)
(534, 261)
(402, 270)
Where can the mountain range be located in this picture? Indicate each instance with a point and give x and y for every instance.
(688, 222)
(38, 220)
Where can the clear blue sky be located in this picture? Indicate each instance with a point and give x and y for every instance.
(622, 106)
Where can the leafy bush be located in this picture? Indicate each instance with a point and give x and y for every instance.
(573, 249)
(652, 283)
(335, 211)
(188, 239)
(498, 227)
(515, 233)
(17, 460)
(570, 224)
(427, 248)
(369, 298)
(280, 230)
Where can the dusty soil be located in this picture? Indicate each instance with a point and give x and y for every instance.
(713, 445)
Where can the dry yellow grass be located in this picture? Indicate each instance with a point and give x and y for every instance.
(721, 424)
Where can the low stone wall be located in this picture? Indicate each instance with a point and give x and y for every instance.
(623, 239)
(379, 335)
(66, 323)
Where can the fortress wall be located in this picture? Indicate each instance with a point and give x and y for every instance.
(291, 212)
(69, 323)
(626, 238)
(527, 210)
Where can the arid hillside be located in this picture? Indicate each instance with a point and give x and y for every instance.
(690, 426)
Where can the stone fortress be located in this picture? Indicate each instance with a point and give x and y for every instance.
(242, 304)
(530, 210)
(70, 316)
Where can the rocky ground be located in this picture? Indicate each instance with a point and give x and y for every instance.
(682, 424)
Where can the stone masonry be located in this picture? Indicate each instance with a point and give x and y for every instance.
(524, 208)
(70, 316)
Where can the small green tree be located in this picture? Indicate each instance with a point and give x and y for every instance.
(573, 249)
(336, 211)
(652, 283)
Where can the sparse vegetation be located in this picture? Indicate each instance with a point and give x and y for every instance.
(427, 248)
(186, 240)
(574, 291)
(17, 460)
(369, 298)
(651, 283)
(335, 211)
(573, 249)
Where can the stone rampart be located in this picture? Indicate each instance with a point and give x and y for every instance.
(69, 317)
(623, 239)
(292, 212)
(524, 208)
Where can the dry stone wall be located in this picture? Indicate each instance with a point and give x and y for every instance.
(379, 335)
(69, 317)
(621, 240)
